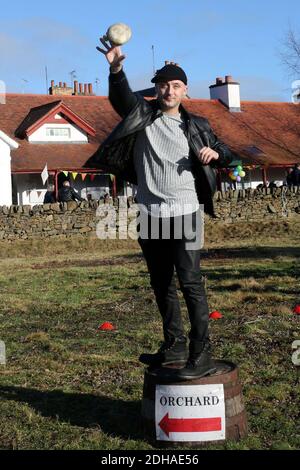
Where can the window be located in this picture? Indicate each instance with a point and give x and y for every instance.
(58, 132)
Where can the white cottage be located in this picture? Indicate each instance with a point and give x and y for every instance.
(65, 128)
(6, 145)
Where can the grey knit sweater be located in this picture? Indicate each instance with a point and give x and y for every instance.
(166, 185)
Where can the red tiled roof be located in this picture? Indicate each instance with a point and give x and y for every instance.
(34, 115)
(37, 116)
(96, 110)
(273, 128)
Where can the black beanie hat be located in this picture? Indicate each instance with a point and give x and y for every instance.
(170, 72)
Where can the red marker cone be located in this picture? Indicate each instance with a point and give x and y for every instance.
(215, 315)
(107, 326)
(297, 309)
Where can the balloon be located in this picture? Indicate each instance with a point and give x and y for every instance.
(238, 178)
(235, 172)
(233, 177)
(242, 174)
(239, 168)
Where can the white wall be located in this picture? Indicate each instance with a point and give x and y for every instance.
(76, 134)
(97, 188)
(30, 189)
(5, 175)
(254, 177)
(228, 94)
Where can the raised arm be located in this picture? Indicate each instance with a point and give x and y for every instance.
(121, 96)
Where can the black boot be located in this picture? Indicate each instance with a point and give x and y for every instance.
(199, 363)
(171, 352)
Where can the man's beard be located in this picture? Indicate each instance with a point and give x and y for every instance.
(168, 104)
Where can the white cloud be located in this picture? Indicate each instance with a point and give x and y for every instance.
(27, 46)
(43, 29)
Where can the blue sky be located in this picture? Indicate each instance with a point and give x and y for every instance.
(208, 39)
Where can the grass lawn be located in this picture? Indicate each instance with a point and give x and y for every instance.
(68, 386)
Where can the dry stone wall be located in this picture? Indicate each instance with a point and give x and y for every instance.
(80, 219)
(257, 204)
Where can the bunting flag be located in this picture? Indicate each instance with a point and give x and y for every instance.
(253, 167)
(248, 167)
(45, 174)
(92, 177)
(83, 176)
(39, 194)
(74, 174)
(65, 173)
(112, 177)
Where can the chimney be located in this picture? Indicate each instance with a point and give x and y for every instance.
(228, 92)
(170, 62)
(61, 89)
(78, 89)
(228, 79)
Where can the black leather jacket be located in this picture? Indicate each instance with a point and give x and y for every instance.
(115, 155)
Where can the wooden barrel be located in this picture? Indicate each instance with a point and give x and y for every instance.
(234, 421)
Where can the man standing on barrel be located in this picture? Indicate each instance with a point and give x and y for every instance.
(171, 155)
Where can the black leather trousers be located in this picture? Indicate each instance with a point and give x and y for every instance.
(162, 256)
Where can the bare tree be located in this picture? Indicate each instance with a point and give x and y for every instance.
(290, 53)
